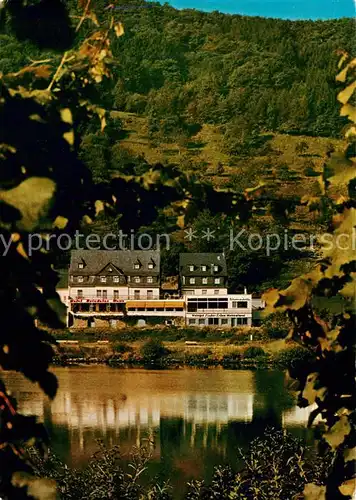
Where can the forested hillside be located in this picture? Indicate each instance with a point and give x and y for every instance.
(230, 98)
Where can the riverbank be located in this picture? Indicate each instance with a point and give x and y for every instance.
(152, 352)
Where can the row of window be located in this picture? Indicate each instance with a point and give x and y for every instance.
(203, 268)
(218, 321)
(81, 265)
(216, 281)
(195, 304)
(103, 294)
(116, 279)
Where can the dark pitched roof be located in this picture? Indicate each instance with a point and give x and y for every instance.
(202, 259)
(95, 261)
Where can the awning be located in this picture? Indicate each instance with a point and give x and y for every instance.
(174, 303)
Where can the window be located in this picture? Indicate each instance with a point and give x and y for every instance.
(216, 269)
(204, 292)
(91, 308)
(149, 279)
(205, 281)
(116, 294)
(217, 281)
(105, 294)
(203, 268)
(102, 279)
(192, 281)
(110, 269)
(107, 307)
(116, 279)
(136, 266)
(80, 279)
(79, 294)
(150, 266)
(71, 278)
(191, 268)
(192, 321)
(98, 294)
(136, 294)
(202, 321)
(150, 294)
(213, 321)
(241, 321)
(216, 292)
(137, 279)
(80, 265)
(224, 321)
(239, 304)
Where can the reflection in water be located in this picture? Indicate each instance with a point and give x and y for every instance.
(194, 419)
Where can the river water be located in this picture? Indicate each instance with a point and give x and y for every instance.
(195, 419)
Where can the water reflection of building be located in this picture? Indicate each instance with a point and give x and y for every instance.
(75, 412)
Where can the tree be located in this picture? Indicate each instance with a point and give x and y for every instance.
(329, 382)
(301, 147)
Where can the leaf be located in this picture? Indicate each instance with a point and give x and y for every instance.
(33, 198)
(119, 29)
(311, 390)
(99, 207)
(66, 115)
(314, 492)
(349, 111)
(38, 488)
(345, 94)
(337, 433)
(341, 77)
(60, 222)
(350, 454)
(348, 488)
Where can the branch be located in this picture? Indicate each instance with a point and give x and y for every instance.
(82, 19)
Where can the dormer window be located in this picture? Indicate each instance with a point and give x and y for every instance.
(81, 265)
(217, 281)
(205, 281)
(216, 269)
(191, 268)
(116, 279)
(203, 268)
(136, 266)
(80, 279)
(192, 281)
(102, 279)
(150, 265)
(137, 279)
(110, 269)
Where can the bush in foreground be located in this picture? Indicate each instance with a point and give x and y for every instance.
(276, 467)
(153, 350)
